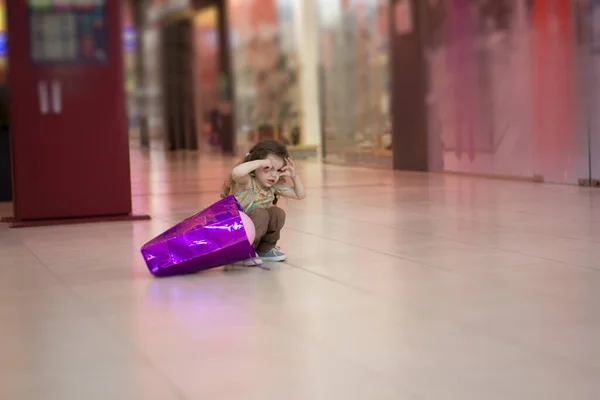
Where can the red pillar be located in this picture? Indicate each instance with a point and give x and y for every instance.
(69, 138)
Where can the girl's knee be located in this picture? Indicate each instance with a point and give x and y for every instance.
(277, 215)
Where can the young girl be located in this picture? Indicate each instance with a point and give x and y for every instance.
(257, 184)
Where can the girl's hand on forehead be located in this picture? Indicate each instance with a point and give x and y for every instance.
(290, 168)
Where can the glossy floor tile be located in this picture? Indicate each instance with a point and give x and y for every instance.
(398, 286)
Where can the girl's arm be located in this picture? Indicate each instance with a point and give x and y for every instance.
(296, 192)
(240, 174)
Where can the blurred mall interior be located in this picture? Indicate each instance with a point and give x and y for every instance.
(447, 246)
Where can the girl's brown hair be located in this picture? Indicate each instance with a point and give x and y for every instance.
(260, 151)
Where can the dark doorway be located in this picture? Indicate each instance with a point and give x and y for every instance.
(186, 117)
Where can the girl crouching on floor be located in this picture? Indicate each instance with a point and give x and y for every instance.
(257, 183)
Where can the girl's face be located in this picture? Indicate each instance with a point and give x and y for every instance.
(269, 176)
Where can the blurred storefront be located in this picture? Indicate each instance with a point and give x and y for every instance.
(491, 87)
(267, 72)
(245, 69)
(355, 79)
(314, 73)
(512, 88)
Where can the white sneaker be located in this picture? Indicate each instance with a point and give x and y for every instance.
(251, 262)
(275, 255)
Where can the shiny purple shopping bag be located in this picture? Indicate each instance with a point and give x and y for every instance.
(212, 238)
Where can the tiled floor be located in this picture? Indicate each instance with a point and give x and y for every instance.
(399, 286)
